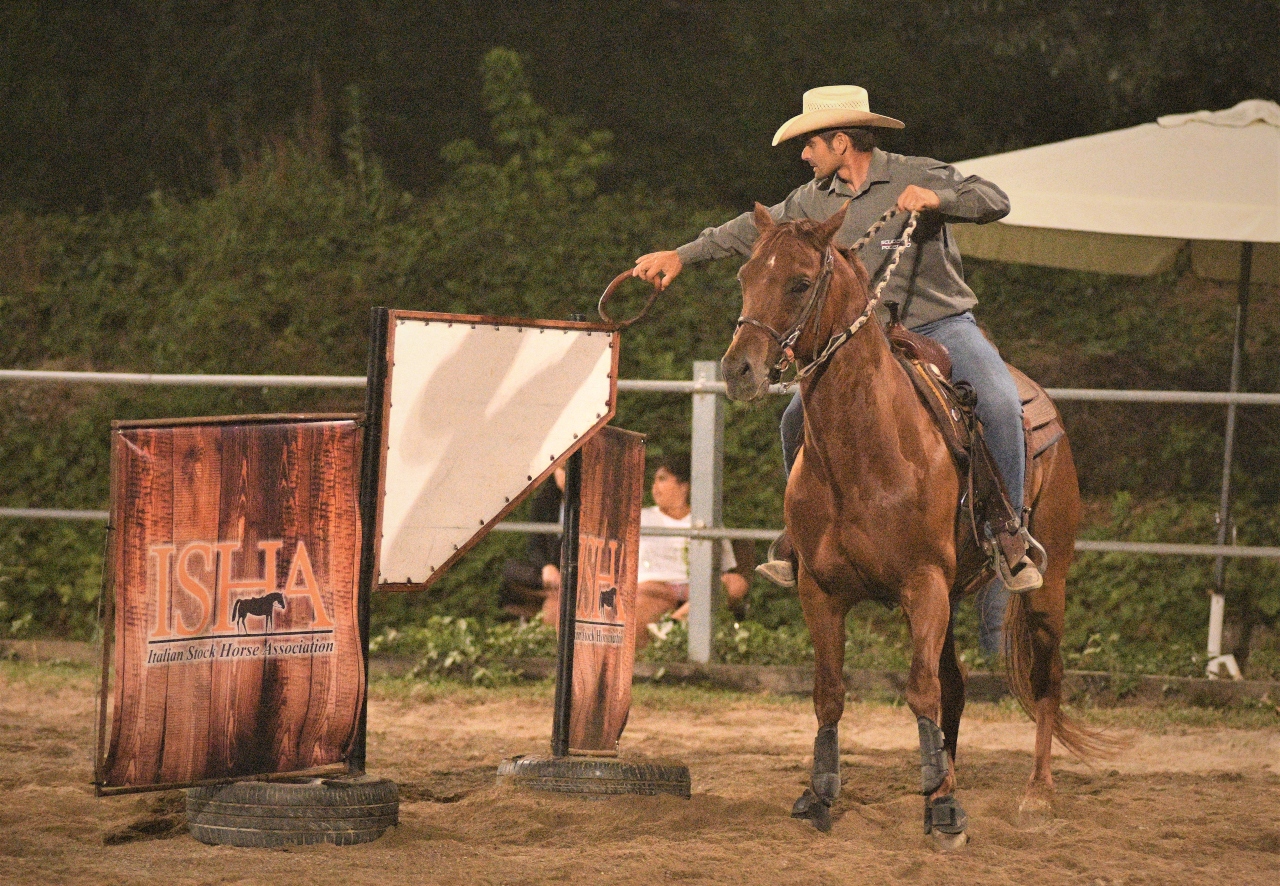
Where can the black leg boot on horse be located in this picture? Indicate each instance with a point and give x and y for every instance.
(824, 787)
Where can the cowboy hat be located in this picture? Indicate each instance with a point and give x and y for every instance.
(833, 107)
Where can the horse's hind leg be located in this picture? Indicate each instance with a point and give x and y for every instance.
(1036, 621)
(932, 689)
(824, 615)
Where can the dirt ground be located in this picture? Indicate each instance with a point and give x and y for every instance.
(1187, 803)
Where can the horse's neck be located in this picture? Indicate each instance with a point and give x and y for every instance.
(856, 405)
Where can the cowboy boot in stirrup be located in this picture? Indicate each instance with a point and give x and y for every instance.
(779, 568)
(1015, 547)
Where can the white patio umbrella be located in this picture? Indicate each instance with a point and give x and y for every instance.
(1128, 201)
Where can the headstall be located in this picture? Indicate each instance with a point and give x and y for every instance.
(786, 341)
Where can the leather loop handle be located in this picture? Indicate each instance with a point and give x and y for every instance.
(623, 324)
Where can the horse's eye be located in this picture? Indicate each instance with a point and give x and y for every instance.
(799, 287)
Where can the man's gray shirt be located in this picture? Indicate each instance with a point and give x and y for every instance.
(930, 268)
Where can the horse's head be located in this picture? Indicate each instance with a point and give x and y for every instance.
(783, 287)
(277, 599)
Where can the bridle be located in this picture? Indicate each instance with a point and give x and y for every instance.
(786, 341)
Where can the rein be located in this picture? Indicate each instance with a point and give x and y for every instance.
(787, 341)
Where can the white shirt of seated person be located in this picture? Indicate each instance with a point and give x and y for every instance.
(665, 558)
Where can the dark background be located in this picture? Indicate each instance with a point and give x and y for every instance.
(102, 102)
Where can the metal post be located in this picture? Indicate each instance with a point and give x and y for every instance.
(370, 472)
(568, 606)
(706, 481)
(1218, 601)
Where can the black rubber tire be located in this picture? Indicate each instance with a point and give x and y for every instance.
(342, 811)
(595, 775)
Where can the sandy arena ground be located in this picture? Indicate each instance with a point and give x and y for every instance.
(1185, 804)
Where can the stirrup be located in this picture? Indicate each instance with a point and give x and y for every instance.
(777, 570)
(1042, 556)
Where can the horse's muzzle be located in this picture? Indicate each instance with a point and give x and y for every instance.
(746, 368)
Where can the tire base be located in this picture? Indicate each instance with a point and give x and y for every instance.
(342, 811)
(595, 776)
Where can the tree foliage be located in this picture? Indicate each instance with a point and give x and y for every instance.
(105, 102)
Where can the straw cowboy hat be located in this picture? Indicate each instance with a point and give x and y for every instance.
(833, 107)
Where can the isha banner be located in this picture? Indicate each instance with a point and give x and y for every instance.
(233, 569)
(608, 563)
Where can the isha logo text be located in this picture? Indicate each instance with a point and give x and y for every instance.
(178, 566)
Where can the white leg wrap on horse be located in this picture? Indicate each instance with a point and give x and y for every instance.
(933, 756)
(826, 763)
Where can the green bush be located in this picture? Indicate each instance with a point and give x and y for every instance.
(449, 648)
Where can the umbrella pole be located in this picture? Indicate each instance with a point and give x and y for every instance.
(1217, 600)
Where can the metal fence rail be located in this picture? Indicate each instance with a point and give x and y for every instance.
(650, 386)
(731, 534)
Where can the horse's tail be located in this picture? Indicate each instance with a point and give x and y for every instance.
(1085, 742)
(236, 608)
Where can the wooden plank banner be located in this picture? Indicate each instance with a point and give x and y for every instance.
(233, 570)
(608, 563)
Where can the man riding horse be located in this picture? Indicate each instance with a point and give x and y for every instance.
(928, 285)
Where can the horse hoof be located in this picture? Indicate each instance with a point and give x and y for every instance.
(811, 807)
(950, 842)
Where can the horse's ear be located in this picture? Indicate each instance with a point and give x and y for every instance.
(764, 221)
(828, 228)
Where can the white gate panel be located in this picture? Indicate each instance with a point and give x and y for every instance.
(476, 412)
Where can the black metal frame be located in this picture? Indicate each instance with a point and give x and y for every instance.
(568, 606)
(370, 471)
(1225, 533)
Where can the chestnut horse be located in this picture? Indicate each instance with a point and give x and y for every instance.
(871, 510)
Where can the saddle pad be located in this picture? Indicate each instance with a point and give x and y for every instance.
(1040, 420)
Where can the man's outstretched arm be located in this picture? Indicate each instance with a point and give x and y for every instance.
(734, 237)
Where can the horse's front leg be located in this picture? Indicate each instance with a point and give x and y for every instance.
(824, 615)
(927, 608)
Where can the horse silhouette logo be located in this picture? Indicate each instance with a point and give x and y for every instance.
(264, 606)
(609, 600)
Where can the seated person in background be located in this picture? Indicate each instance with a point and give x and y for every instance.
(532, 586)
(664, 560)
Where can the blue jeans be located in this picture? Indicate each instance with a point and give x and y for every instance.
(975, 360)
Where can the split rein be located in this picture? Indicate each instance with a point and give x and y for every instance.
(786, 341)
